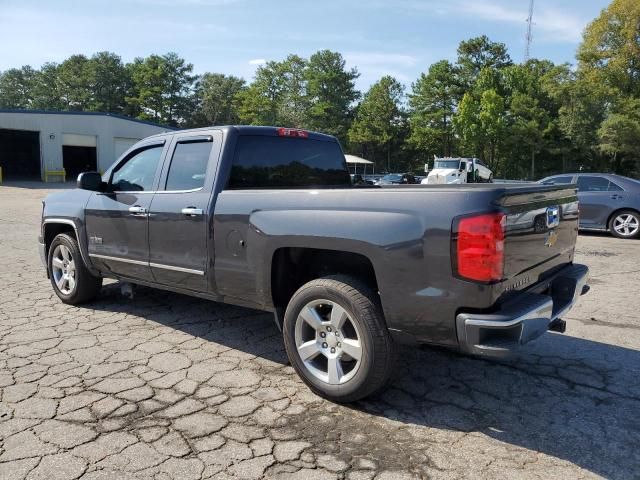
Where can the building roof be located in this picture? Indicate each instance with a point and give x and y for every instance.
(358, 160)
(105, 114)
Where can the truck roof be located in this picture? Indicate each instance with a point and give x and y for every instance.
(250, 130)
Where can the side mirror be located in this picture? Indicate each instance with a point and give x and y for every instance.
(90, 181)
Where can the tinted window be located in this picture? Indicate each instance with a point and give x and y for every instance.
(262, 161)
(188, 165)
(558, 180)
(596, 184)
(614, 187)
(138, 172)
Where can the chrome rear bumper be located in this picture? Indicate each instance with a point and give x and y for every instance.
(523, 318)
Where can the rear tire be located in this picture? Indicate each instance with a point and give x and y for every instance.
(337, 340)
(625, 224)
(70, 278)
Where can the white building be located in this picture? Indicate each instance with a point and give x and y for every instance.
(35, 144)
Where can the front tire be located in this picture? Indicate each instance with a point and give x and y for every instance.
(336, 339)
(70, 278)
(625, 224)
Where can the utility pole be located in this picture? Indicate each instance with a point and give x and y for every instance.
(528, 36)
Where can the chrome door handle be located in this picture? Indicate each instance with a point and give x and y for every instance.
(137, 210)
(192, 212)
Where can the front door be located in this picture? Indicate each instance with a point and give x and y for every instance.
(179, 216)
(117, 219)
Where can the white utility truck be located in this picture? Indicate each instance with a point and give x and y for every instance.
(458, 170)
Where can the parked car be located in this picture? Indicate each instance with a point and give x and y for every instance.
(397, 179)
(358, 179)
(608, 202)
(267, 218)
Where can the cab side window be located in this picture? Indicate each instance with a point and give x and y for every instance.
(188, 167)
(136, 174)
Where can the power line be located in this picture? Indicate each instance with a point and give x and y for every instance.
(528, 37)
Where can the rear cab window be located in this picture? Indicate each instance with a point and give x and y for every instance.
(277, 162)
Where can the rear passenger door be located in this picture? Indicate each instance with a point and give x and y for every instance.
(598, 197)
(179, 217)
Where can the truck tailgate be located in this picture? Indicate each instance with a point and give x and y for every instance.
(540, 233)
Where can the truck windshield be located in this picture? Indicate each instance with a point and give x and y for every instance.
(447, 164)
(276, 162)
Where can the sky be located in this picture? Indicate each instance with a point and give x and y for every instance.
(379, 37)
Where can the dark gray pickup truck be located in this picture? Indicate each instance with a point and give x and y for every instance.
(267, 218)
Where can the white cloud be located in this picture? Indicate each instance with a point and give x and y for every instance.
(374, 65)
(257, 61)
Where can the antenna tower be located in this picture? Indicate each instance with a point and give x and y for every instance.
(528, 36)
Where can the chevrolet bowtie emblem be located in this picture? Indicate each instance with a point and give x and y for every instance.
(551, 239)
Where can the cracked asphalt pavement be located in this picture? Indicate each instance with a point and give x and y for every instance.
(166, 386)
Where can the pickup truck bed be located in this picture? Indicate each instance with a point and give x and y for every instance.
(275, 224)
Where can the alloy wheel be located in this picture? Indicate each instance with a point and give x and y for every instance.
(626, 224)
(63, 269)
(328, 341)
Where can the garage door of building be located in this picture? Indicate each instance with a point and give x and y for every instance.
(20, 154)
(78, 154)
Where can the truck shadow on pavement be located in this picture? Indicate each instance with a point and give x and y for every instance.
(570, 399)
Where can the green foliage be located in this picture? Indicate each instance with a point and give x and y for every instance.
(432, 103)
(379, 118)
(480, 53)
(109, 83)
(162, 88)
(16, 87)
(216, 97)
(331, 93)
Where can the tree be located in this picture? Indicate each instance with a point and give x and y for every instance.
(480, 53)
(379, 117)
(16, 87)
(162, 88)
(432, 103)
(73, 83)
(216, 96)
(331, 93)
(529, 121)
(481, 126)
(619, 136)
(46, 89)
(109, 81)
(610, 50)
(293, 101)
(259, 104)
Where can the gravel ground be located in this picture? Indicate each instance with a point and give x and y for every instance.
(167, 386)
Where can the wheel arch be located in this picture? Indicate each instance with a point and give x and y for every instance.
(292, 267)
(53, 227)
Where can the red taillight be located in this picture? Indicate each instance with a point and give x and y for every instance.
(292, 132)
(480, 247)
